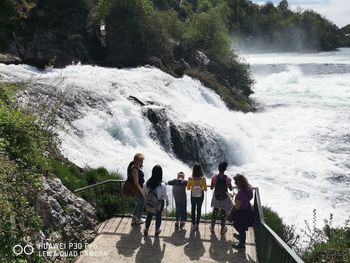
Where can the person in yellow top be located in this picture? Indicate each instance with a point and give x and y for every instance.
(196, 184)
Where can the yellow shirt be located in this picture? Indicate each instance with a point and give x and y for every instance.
(197, 181)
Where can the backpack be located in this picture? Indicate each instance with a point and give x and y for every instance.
(221, 188)
(196, 191)
(152, 203)
(129, 188)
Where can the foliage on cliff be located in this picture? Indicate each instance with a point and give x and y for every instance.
(168, 35)
(270, 28)
(21, 159)
(27, 153)
(327, 244)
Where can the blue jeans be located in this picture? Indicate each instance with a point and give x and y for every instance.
(196, 202)
(158, 216)
(139, 203)
(181, 211)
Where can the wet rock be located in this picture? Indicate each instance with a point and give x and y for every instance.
(9, 59)
(188, 141)
(200, 59)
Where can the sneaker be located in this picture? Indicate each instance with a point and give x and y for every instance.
(139, 221)
(133, 221)
(158, 232)
(176, 225)
(212, 229)
(238, 246)
(223, 230)
(193, 228)
(145, 231)
(182, 224)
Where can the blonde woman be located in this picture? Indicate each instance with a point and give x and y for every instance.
(137, 176)
(197, 185)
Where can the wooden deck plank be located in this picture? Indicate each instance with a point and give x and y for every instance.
(121, 242)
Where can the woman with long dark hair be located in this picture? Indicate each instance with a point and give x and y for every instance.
(243, 214)
(155, 187)
(197, 185)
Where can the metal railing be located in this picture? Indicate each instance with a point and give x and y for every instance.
(113, 187)
(270, 248)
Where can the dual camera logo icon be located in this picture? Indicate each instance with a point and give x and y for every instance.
(19, 250)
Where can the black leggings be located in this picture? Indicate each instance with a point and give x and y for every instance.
(222, 213)
(196, 202)
(242, 238)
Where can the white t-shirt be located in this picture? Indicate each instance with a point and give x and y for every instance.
(160, 191)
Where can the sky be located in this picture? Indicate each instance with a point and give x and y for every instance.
(337, 11)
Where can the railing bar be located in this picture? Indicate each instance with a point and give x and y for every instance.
(97, 184)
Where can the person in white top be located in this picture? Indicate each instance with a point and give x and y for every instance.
(155, 186)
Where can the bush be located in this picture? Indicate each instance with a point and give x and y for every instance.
(21, 163)
(209, 80)
(22, 140)
(208, 32)
(284, 231)
(329, 244)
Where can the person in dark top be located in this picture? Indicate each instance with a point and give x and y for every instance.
(137, 176)
(243, 214)
(179, 193)
(221, 201)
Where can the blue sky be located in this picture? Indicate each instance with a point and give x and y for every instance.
(338, 11)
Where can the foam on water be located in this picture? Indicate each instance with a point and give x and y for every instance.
(296, 150)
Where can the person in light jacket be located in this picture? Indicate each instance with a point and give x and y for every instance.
(156, 185)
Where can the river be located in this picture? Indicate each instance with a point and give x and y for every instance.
(295, 148)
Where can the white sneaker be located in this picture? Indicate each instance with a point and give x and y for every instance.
(223, 230)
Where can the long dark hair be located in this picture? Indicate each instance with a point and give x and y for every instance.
(222, 167)
(156, 178)
(197, 171)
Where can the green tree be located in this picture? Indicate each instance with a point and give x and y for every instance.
(283, 6)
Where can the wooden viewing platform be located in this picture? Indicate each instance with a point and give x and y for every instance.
(118, 241)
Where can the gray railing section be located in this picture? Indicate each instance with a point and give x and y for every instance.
(270, 248)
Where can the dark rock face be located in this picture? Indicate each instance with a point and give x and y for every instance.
(55, 33)
(9, 59)
(190, 142)
(161, 126)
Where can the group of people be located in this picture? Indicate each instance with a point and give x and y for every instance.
(152, 195)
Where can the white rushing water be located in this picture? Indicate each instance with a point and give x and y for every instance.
(296, 149)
